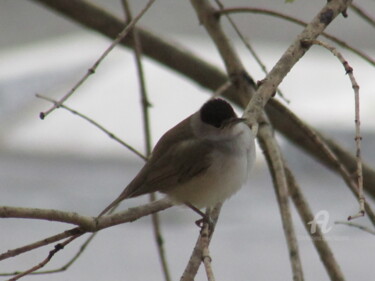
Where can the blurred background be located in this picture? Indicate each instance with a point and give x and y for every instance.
(65, 163)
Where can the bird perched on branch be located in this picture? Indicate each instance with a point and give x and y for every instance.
(200, 162)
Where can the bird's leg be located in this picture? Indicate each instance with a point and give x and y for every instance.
(205, 218)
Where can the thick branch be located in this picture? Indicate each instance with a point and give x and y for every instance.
(236, 71)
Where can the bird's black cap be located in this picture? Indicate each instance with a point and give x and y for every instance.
(216, 111)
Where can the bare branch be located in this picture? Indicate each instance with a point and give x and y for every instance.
(196, 256)
(299, 22)
(72, 260)
(361, 227)
(145, 103)
(328, 150)
(242, 82)
(248, 45)
(363, 14)
(358, 137)
(291, 56)
(276, 166)
(317, 237)
(93, 68)
(41, 243)
(96, 124)
(206, 258)
(57, 248)
(44, 214)
(86, 224)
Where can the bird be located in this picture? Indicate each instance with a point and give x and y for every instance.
(201, 161)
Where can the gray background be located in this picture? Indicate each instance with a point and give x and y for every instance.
(249, 242)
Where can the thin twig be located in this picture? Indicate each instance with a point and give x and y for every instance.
(96, 124)
(145, 104)
(299, 22)
(358, 137)
(40, 243)
(325, 253)
(275, 163)
(66, 266)
(360, 12)
(57, 248)
(361, 227)
(206, 257)
(80, 251)
(332, 160)
(93, 68)
(221, 89)
(195, 260)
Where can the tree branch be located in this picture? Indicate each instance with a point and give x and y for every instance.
(276, 166)
(292, 55)
(339, 42)
(124, 32)
(145, 104)
(317, 237)
(195, 260)
(84, 223)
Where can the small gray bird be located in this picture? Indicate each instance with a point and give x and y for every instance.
(200, 162)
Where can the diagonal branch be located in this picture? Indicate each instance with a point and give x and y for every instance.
(96, 124)
(40, 265)
(276, 166)
(363, 14)
(244, 86)
(317, 237)
(291, 56)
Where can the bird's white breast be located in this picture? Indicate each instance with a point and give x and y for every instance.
(231, 162)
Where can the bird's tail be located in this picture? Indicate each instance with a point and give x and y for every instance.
(112, 205)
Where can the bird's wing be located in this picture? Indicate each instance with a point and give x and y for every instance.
(176, 158)
(177, 165)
